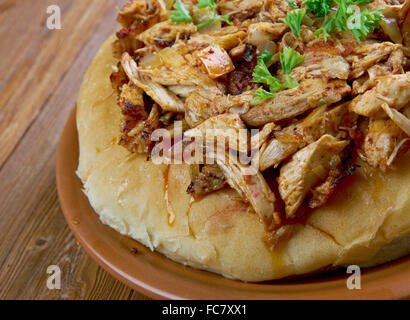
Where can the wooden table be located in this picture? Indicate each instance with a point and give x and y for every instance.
(40, 75)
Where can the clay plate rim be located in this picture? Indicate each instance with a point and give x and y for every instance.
(158, 277)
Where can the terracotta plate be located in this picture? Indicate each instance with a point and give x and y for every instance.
(156, 276)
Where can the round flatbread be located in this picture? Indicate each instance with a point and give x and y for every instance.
(367, 223)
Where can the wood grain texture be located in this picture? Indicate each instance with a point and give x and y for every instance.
(40, 75)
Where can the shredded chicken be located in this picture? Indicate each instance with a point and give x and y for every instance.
(306, 168)
(252, 187)
(165, 98)
(164, 34)
(208, 180)
(398, 118)
(368, 54)
(392, 89)
(381, 140)
(293, 102)
(201, 105)
(296, 136)
(293, 108)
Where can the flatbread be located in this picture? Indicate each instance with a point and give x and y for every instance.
(366, 223)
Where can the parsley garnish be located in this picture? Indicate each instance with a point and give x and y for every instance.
(180, 14)
(265, 56)
(321, 8)
(261, 95)
(294, 20)
(369, 21)
(291, 3)
(290, 83)
(289, 59)
(261, 74)
(211, 3)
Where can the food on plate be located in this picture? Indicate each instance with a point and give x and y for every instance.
(255, 139)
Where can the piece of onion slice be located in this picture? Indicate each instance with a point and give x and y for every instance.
(398, 118)
(391, 28)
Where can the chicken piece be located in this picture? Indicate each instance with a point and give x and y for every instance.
(393, 9)
(398, 118)
(322, 65)
(226, 129)
(258, 139)
(293, 102)
(275, 151)
(322, 193)
(287, 141)
(322, 59)
(138, 139)
(179, 68)
(165, 98)
(141, 14)
(201, 105)
(182, 90)
(405, 28)
(208, 180)
(392, 89)
(383, 143)
(250, 184)
(261, 32)
(394, 65)
(227, 38)
(368, 54)
(164, 34)
(306, 169)
(240, 10)
(186, 76)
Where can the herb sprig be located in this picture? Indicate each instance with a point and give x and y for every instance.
(320, 8)
(289, 59)
(180, 14)
(368, 21)
(294, 20)
(211, 3)
(261, 74)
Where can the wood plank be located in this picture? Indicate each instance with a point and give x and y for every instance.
(36, 78)
(34, 232)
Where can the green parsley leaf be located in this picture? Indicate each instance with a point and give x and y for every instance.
(294, 20)
(217, 18)
(261, 74)
(290, 83)
(180, 14)
(206, 3)
(211, 3)
(261, 95)
(289, 59)
(291, 3)
(265, 56)
(369, 21)
(321, 8)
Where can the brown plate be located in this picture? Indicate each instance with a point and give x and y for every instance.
(158, 277)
